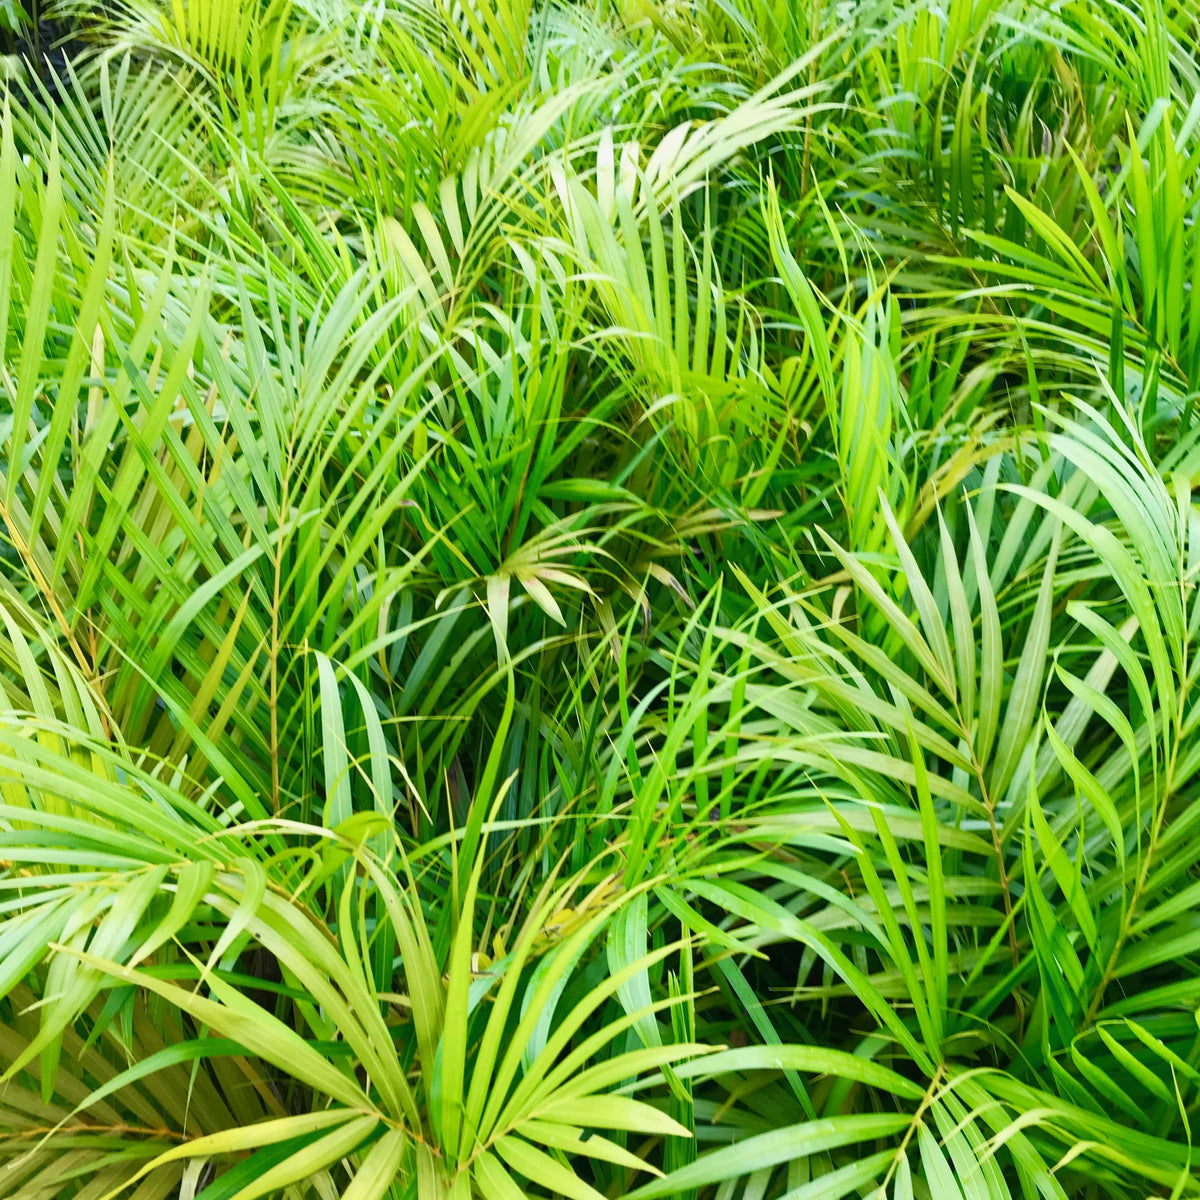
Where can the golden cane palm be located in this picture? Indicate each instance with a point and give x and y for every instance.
(598, 600)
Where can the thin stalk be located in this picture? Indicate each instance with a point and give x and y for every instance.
(273, 698)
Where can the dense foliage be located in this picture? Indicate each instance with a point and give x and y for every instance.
(599, 599)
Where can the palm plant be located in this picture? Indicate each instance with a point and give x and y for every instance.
(598, 601)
